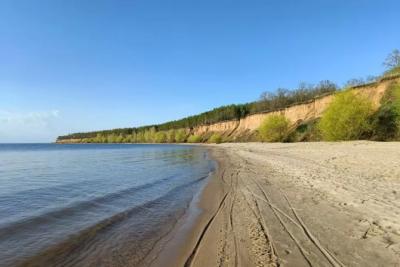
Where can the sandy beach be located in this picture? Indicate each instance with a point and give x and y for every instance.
(299, 204)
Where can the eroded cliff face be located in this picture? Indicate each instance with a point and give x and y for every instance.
(246, 128)
(296, 114)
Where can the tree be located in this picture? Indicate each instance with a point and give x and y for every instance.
(152, 134)
(354, 82)
(386, 121)
(274, 128)
(194, 139)
(392, 60)
(171, 136)
(160, 137)
(215, 138)
(346, 118)
(180, 136)
(112, 138)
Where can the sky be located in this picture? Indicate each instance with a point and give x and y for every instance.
(82, 65)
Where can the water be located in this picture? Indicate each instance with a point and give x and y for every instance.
(88, 205)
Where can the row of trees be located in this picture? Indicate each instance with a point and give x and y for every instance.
(152, 136)
(148, 135)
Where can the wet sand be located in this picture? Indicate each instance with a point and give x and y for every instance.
(301, 204)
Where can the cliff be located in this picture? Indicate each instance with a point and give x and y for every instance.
(297, 114)
(245, 128)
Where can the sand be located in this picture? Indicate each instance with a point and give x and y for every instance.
(299, 204)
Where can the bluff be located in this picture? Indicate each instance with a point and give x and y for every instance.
(245, 128)
(297, 114)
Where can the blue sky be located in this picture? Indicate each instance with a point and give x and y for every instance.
(68, 66)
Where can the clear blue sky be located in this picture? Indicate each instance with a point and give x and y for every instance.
(81, 65)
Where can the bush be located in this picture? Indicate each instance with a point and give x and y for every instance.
(160, 137)
(386, 121)
(393, 71)
(180, 136)
(305, 132)
(274, 128)
(194, 139)
(215, 138)
(170, 136)
(346, 118)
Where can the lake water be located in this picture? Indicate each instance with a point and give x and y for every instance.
(93, 205)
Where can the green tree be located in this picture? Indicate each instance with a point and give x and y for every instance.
(194, 139)
(180, 136)
(215, 138)
(147, 138)
(152, 134)
(386, 121)
(274, 128)
(112, 138)
(140, 137)
(171, 136)
(346, 118)
(120, 138)
(160, 137)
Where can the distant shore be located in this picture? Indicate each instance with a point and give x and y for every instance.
(297, 204)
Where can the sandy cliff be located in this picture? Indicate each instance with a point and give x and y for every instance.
(243, 129)
(296, 113)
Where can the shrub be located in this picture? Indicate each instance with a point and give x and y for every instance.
(180, 136)
(160, 137)
(346, 118)
(394, 71)
(215, 138)
(170, 136)
(274, 128)
(305, 132)
(194, 139)
(386, 121)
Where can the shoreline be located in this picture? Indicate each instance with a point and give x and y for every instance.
(183, 240)
(296, 204)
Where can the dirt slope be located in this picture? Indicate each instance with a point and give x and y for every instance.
(296, 114)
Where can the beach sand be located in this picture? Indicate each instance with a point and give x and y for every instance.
(298, 204)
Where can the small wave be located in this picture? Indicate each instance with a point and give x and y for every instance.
(64, 250)
(46, 217)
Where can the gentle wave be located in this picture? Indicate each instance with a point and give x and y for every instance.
(27, 223)
(93, 205)
(85, 237)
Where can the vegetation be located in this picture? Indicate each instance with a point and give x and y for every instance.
(180, 136)
(348, 124)
(346, 118)
(305, 132)
(392, 60)
(274, 128)
(194, 139)
(215, 138)
(161, 137)
(282, 98)
(386, 121)
(392, 63)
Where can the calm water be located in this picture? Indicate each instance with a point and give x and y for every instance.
(87, 205)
